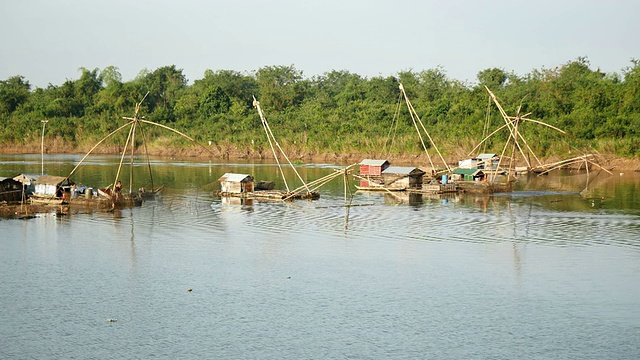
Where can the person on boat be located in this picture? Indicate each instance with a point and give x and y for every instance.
(119, 186)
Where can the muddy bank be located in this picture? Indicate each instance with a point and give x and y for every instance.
(230, 152)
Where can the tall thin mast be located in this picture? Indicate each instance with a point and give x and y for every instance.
(272, 141)
(414, 116)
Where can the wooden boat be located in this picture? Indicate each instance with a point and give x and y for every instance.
(120, 200)
(265, 185)
(47, 200)
(146, 194)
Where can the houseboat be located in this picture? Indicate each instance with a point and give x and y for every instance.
(243, 186)
(51, 190)
(391, 178)
(370, 173)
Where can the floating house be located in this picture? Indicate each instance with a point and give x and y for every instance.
(51, 189)
(11, 190)
(49, 185)
(370, 167)
(482, 161)
(243, 186)
(461, 174)
(28, 182)
(231, 183)
(402, 177)
(370, 173)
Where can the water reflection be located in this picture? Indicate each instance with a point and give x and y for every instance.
(551, 209)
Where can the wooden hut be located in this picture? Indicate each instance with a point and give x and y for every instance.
(51, 189)
(370, 173)
(231, 183)
(402, 177)
(11, 190)
(28, 182)
(52, 185)
(370, 167)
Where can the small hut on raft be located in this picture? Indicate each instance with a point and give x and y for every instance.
(373, 167)
(402, 177)
(370, 173)
(231, 183)
(11, 190)
(51, 189)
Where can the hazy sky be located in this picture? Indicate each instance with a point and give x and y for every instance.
(47, 41)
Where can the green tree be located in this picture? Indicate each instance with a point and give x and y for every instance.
(213, 101)
(165, 86)
(13, 92)
(280, 86)
(493, 78)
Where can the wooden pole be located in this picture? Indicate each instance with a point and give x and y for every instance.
(133, 147)
(124, 151)
(272, 138)
(412, 112)
(95, 146)
(265, 126)
(146, 151)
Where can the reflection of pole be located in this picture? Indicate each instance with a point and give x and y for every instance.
(44, 123)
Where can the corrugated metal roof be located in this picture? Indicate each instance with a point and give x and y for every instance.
(232, 177)
(25, 179)
(401, 170)
(486, 156)
(372, 162)
(50, 179)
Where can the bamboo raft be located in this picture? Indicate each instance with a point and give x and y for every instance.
(485, 187)
(437, 189)
(275, 195)
(28, 211)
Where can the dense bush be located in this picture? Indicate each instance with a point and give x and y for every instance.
(335, 112)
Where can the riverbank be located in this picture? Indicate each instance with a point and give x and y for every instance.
(230, 152)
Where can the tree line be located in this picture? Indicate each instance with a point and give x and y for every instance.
(338, 111)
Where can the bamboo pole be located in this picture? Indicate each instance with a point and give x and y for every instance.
(146, 151)
(124, 151)
(416, 126)
(271, 137)
(95, 146)
(265, 126)
(486, 138)
(132, 122)
(133, 147)
(495, 173)
(175, 131)
(559, 164)
(318, 183)
(412, 112)
(393, 128)
(509, 123)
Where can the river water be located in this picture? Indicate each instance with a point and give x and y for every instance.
(544, 272)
